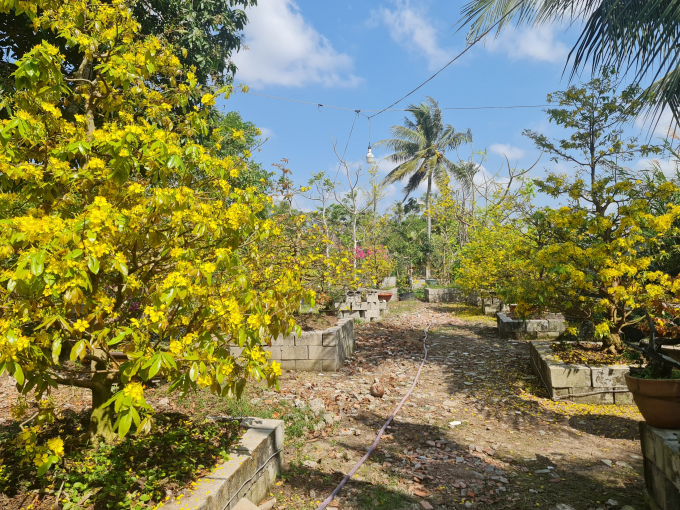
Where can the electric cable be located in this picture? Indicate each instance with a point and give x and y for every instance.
(382, 430)
(360, 111)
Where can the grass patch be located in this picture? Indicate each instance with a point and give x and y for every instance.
(379, 498)
(465, 311)
(298, 421)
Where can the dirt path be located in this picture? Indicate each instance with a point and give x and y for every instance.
(514, 448)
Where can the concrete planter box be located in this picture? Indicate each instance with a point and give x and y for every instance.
(551, 327)
(604, 384)
(493, 305)
(250, 472)
(444, 296)
(313, 351)
(661, 454)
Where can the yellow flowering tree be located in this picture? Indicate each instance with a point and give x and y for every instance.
(599, 265)
(127, 253)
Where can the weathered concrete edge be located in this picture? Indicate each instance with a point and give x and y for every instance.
(255, 456)
(661, 454)
(569, 381)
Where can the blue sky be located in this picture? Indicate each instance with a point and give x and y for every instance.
(365, 55)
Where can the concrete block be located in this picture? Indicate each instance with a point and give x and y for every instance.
(382, 305)
(353, 315)
(331, 365)
(370, 314)
(331, 338)
(235, 351)
(557, 325)
(297, 352)
(564, 376)
(310, 338)
(372, 297)
(536, 326)
(322, 352)
(623, 398)
(609, 376)
(309, 365)
(288, 340)
(275, 352)
(359, 306)
(605, 397)
(278, 340)
(288, 364)
(245, 504)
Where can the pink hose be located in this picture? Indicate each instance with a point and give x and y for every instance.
(382, 430)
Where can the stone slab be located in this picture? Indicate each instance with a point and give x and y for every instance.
(297, 352)
(309, 365)
(316, 352)
(309, 338)
(249, 473)
(661, 453)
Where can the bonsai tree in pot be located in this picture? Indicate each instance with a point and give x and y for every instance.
(656, 386)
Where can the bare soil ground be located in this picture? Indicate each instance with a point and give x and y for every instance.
(514, 447)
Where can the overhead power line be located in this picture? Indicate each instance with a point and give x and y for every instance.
(361, 110)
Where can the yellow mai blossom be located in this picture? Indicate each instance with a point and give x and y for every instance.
(56, 444)
(40, 459)
(81, 325)
(135, 391)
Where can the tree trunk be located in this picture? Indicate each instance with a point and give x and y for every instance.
(102, 418)
(429, 225)
(612, 343)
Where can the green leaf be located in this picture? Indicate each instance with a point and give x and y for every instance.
(77, 350)
(18, 374)
(124, 424)
(169, 360)
(93, 264)
(44, 468)
(38, 262)
(193, 372)
(112, 399)
(56, 350)
(117, 339)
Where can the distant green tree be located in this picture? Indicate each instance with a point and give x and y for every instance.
(420, 147)
(237, 137)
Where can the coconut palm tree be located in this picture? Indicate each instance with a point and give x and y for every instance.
(420, 147)
(636, 37)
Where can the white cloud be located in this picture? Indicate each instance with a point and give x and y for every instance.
(664, 127)
(266, 132)
(503, 149)
(283, 49)
(410, 27)
(530, 43)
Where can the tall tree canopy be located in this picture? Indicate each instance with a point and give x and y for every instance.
(420, 147)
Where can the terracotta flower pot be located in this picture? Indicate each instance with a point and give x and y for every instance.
(512, 308)
(657, 399)
(385, 297)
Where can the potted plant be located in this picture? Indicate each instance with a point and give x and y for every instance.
(405, 290)
(656, 386)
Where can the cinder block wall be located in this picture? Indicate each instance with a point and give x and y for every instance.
(366, 306)
(661, 453)
(313, 351)
(444, 296)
